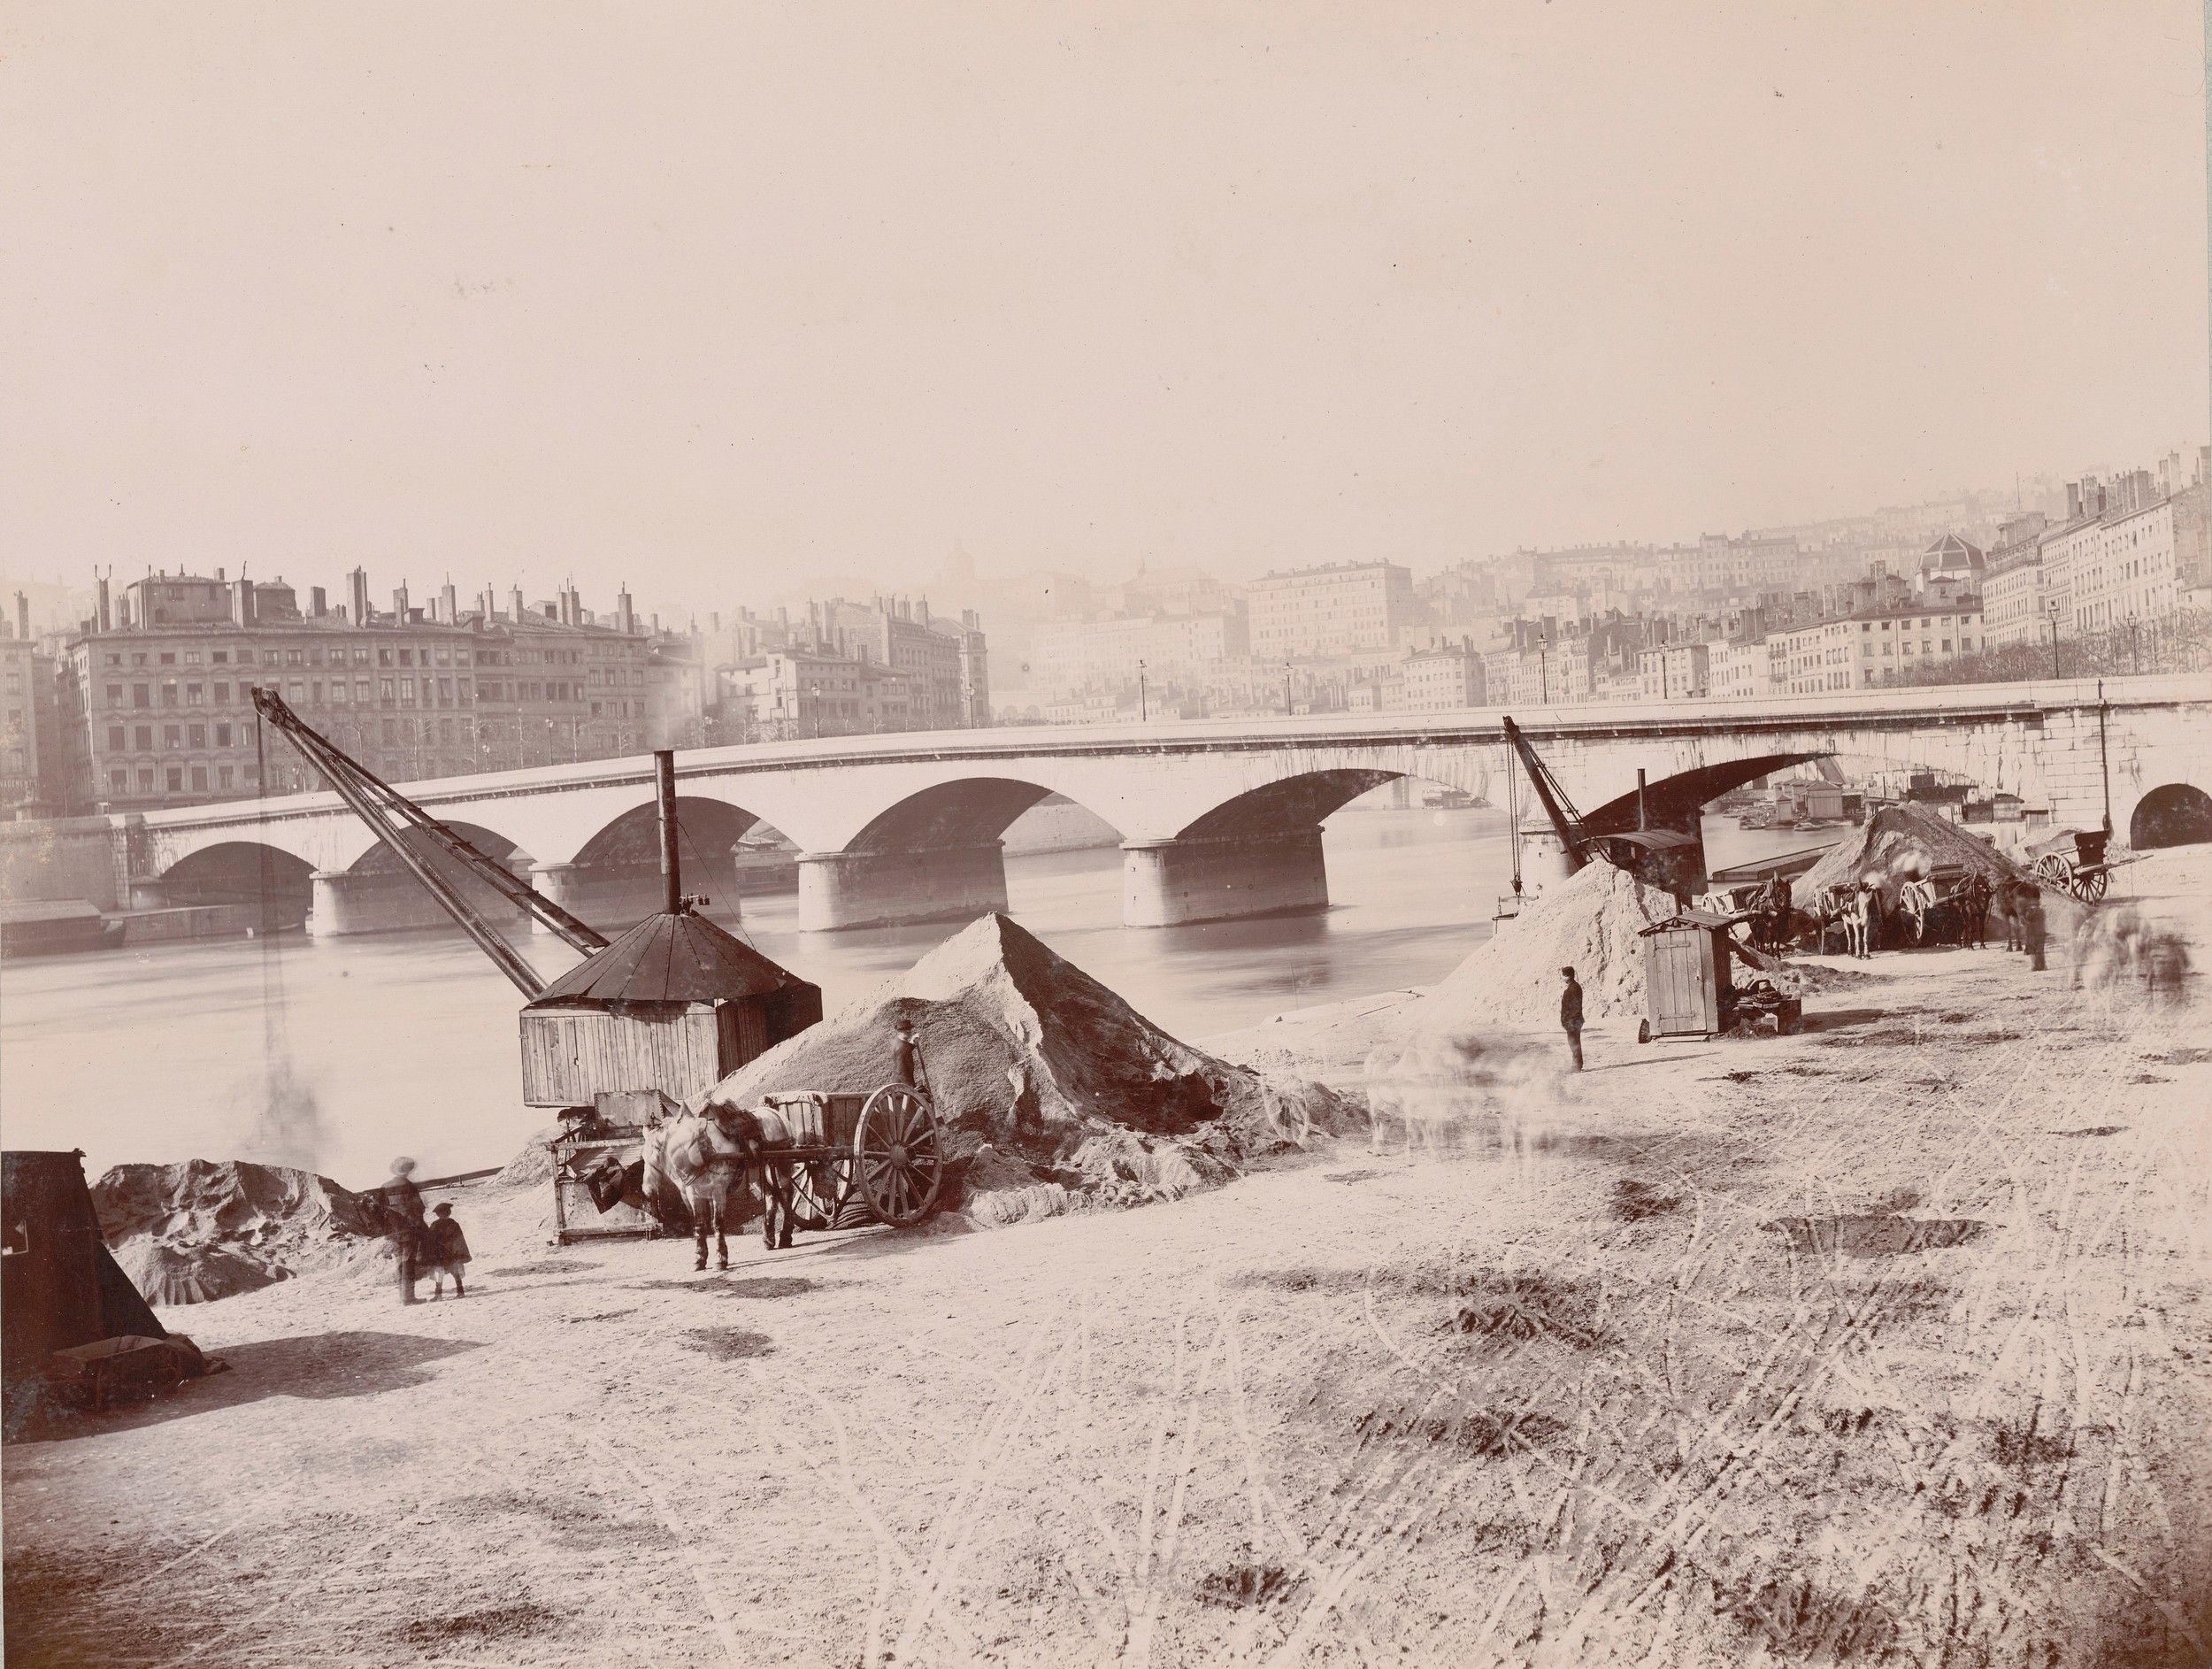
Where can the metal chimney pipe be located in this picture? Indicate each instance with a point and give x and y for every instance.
(1640, 798)
(665, 796)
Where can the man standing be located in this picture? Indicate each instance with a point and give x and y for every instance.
(1570, 1013)
(402, 1218)
(905, 1056)
(2032, 924)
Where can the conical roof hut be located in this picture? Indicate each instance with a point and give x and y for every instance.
(673, 1004)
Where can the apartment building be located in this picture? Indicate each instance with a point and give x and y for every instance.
(1336, 609)
(1676, 672)
(156, 707)
(1873, 647)
(2137, 561)
(1072, 658)
(1443, 680)
(26, 679)
(2012, 584)
(944, 660)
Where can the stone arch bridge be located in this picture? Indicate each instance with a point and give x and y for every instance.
(1216, 819)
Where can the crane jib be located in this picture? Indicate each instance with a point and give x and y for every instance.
(389, 814)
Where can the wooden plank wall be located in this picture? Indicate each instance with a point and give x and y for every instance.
(568, 1056)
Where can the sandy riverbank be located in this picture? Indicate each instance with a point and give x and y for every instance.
(1886, 1338)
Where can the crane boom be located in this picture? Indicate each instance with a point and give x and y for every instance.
(391, 814)
(1557, 806)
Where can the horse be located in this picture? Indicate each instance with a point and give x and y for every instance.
(1973, 901)
(703, 1155)
(1862, 918)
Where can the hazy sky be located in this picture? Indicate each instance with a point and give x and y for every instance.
(714, 297)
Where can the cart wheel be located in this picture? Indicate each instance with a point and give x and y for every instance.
(896, 1153)
(819, 1188)
(2053, 871)
(2089, 885)
(1643, 1031)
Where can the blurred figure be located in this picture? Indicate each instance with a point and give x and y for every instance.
(2031, 927)
(2008, 894)
(1570, 1013)
(2164, 954)
(404, 1225)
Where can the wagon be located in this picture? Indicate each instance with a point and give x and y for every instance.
(2073, 861)
(884, 1150)
(1938, 909)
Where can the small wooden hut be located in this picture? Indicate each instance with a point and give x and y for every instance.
(675, 1004)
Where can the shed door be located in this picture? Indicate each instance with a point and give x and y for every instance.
(1679, 971)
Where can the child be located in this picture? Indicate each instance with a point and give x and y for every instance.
(449, 1250)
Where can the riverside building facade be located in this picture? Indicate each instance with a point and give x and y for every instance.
(156, 705)
(1337, 610)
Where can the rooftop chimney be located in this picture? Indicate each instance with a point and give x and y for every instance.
(102, 617)
(241, 612)
(23, 617)
(399, 601)
(515, 604)
(450, 605)
(318, 603)
(357, 597)
(624, 615)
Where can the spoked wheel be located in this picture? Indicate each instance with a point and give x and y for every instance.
(819, 1188)
(2053, 871)
(2089, 885)
(898, 1155)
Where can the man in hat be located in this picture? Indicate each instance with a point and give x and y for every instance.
(1570, 1013)
(447, 1252)
(905, 1055)
(403, 1217)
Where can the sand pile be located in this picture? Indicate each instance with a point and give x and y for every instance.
(1068, 1085)
(1589, 922)
(197, 1231)
(1901, 843)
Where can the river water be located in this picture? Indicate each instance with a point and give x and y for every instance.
(339, 1053)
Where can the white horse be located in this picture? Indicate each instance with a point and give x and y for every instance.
(702, 1157)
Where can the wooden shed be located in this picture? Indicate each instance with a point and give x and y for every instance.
(1686, 975)
(675, 1004)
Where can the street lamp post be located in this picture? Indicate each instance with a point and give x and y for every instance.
(1286, 689)
(1144, 705)
(1543, 667)
(2054, 637)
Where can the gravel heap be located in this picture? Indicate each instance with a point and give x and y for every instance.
(1901, 843)
(1070, 1087)
(196, 1231)
(1588, 922)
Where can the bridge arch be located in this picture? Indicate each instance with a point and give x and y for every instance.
(1288, 803)
(379, 860)
(965, 811)
(708, 826)
(2174, 814)
(934, 854)
(273, 886)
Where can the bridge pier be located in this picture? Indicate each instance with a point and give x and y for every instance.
(562, 883)
(386, 901)
(1166, 883)
(882, 889)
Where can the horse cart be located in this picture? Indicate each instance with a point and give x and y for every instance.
(1950, 906)
(2073, 861)
(883, 1150)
